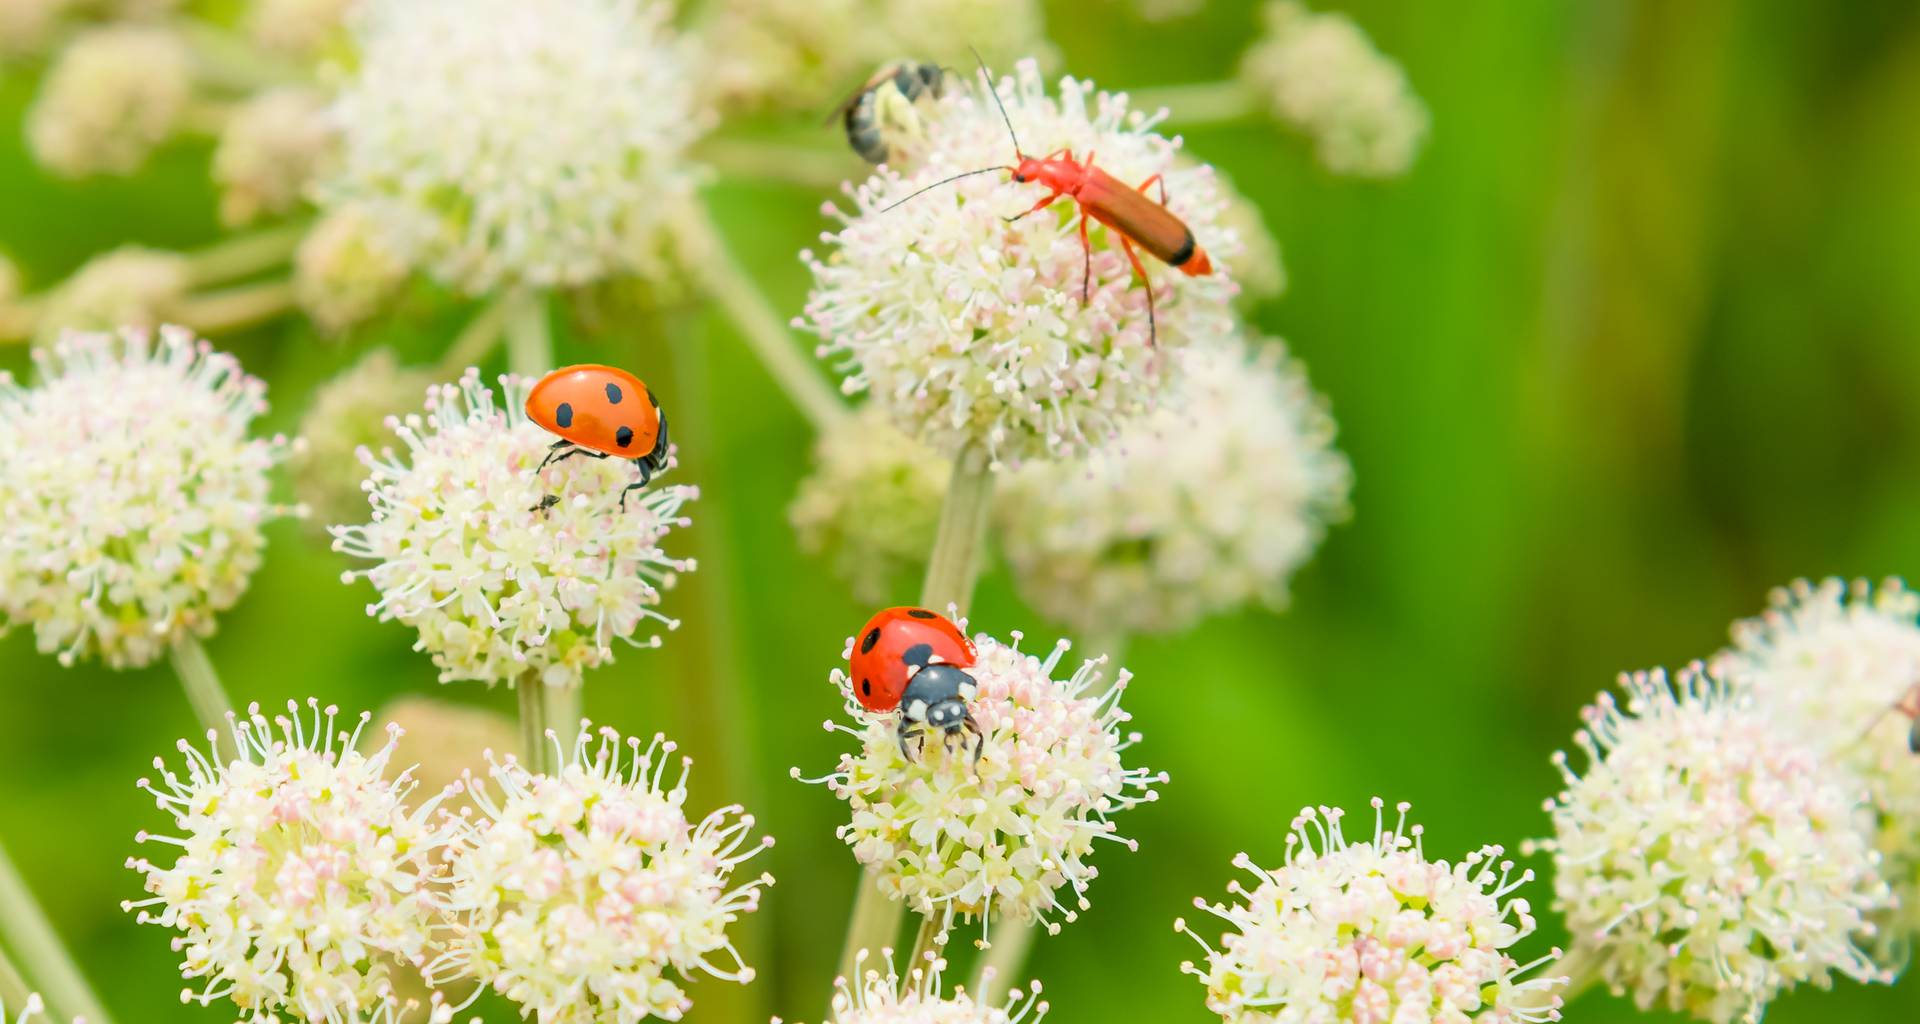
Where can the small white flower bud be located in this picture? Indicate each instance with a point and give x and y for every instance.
(1322, 75)
(346, 271)
(269, 151)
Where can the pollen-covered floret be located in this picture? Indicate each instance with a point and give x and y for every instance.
(500, 584)
(1705, 861)
(1322, 75)
(589, 897)
(503, 143)
(299, 868)
(871, 504)
(1373, 932)
(968, 329)
(110, 99)
(131, 497)
(875, 998)
(1831, 663)
(1003, 837)
(1210, 502)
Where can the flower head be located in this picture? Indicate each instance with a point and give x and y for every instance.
(269, 151)
(131, 497)
(1373, 932)
(499, 583)
(1211, 501)
(916, 999)
(589, 897)
(26, 25)
(996, 838)
(504, 143)
(111, 98)
(299, 860)
(1705, 860)
(968, 329)
(871, 504)
(1829, 663)
(350, 412)
(297, 28)
(125, 287)
(1323, 76)
(346, 270)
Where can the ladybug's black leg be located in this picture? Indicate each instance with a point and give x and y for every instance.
(979, 738)
(553, 452)
(905, 730)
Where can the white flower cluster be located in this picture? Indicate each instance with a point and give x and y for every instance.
(131, 497)
(508, 143)
(110, 99)
(997, 838)
(1210, 502)
(270, 150)
(968, 329)
(296, 28)
(916, 999)
(582, 896)
(499, 584)
(800, 54)
(297, 863)
(346, 269)
(1373, 932)
(1322, 75)
(1704, 860)
(871, 504)
(348, 413)
(1829, 663)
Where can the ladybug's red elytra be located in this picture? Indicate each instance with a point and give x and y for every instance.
(601, 412)
(913, 660)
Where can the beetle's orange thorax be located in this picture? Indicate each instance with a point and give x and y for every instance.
(603, 408)
(1056, 173)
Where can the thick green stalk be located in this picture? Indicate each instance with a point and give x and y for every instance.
(231, 259)
(14, 990)
(529, 339)
(230, 309)
(535, 748)
(32, 938)
(998, 969)
(1200, 103)
(211, 705)
(927, 941)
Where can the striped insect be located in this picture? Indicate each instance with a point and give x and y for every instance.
(886, 109)
(1135, 219)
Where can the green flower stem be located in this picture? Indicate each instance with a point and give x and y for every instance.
(222, 58)
(231, 309)
(14, 989)
(231, 259)
(476, 341)
(211, 705)
(952, 571)
(529, 338)
(719, 275)
(534, 745)
(927, 941)
(31, 937)
(1199, 103)
(998, 969)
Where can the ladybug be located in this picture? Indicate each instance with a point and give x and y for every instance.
(600, 412)
(914, 660)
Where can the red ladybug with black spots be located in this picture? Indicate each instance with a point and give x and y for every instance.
(914, 660)
(601, 412)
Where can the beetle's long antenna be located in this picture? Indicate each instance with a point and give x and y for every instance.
(988, 75)
(937, 184)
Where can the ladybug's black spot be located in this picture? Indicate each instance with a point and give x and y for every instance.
(624, 436)
(918, 654)
(872, 637)
(613, 393)
(866, 687)
(921, 613)
(564, 415)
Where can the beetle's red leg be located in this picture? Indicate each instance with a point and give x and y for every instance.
(1153, 328)
(1086, 276)
(1156, 180)
(1036, 208)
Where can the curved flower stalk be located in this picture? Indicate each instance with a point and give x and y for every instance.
(1210, 502)
(131, 497)
(500, 585)
(1705, 861)
(1372, 932)
(1829, 663)
(969, 330)
(917, 999)
(1008, 837)
(1321, 74)
(871, 504)
(504, 144)
(297, 861)
(588, 896)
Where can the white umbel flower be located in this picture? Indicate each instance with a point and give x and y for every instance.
(26, 25)
(589, 897)
(1322, 75)
(970, 330)
(1373, 932)
(871, 504)
(346, 270)
(111, 98)
(298, 861)
(1705, 861)
(917, 999)
(1210, 502)
(997, 839)
(269, 152)
(504, 143)
(1830, 663)
(131, 497)
(125, 287)
(500, 588)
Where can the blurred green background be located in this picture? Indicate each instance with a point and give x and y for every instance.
(1634, 342)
